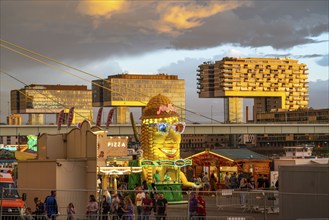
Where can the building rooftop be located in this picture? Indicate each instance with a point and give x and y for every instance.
(239, 154)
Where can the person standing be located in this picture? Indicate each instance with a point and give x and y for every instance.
(156, 176)
(154, 201)
(166, 177)
(234, 181)
(193, 204)
(147, 205)
(70, 211)
(105, 208)
(190, 174)
(51, 207)
(28, 214)
(39, 209)
(205, 181)
(92, 208)
(162, 204)
(201, 210)
(213, 181)
(115, 206)
(227, 180)
(139, 197)
(128, 209)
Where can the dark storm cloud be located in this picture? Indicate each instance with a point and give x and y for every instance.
(294, 55)
(280, 24)
(57, 29)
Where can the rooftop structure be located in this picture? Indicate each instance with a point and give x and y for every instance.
(135, 90)
(275, 83)
(36, 100)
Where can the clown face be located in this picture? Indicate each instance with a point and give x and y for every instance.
(164, 137)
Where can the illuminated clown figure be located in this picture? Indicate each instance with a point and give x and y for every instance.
(161, 132)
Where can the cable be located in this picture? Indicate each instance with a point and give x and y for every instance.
(61, 63)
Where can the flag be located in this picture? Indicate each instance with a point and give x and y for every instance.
(99, 116)
(109, 118)
(70, 117)
(60, 119)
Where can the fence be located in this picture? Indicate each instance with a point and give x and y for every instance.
(179, 210)
(249, 201)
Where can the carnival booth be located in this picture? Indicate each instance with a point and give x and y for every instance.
(228, 161)
(115, 162)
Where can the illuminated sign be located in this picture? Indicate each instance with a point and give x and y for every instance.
(117, 146)
(176, 163)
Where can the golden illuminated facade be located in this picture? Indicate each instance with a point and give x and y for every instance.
(36, 100)
(135, 90)
(274, 83)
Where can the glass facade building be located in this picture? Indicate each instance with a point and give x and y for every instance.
(135, 90)
(36, 100)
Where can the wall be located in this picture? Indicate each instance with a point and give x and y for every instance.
(304, 191)
(36, 179)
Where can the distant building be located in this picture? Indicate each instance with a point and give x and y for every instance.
(306, 115)
(197, 142)
(37, 100)
(135, 90)
(274, 83)
(14, 119)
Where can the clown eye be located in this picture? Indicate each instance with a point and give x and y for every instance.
(179, 127)
(163, 127)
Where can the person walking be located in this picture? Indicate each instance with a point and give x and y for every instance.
(70, 211)
(92, 208)
(162, 204)
(51, 207)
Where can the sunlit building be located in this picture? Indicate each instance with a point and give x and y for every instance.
(37, 100)
(14, 119)
(274, 83)
(306, 115)
(135, 90)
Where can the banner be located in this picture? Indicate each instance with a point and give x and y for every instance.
(109, 118)
(70, 117)
(60, 119)
(99, 116)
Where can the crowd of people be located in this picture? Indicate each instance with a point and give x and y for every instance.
(119, 206)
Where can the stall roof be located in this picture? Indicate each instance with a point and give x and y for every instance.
(240, 154)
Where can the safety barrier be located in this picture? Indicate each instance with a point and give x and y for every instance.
(110, 217)
(248, 201)
(176, 210)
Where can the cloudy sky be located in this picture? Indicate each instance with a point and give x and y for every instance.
(174, 37)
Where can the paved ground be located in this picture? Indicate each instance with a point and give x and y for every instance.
(212, 210)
